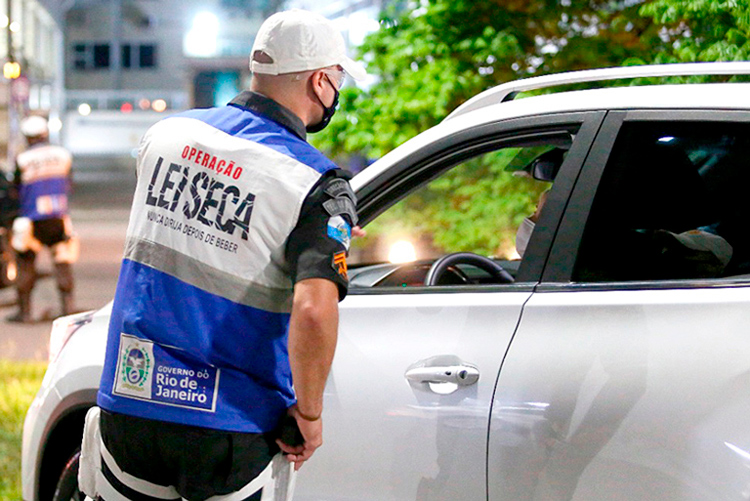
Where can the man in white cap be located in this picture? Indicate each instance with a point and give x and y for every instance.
(225, 317)
(43, 179)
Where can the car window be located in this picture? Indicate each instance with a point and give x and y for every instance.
(477, 207)
(670, 205)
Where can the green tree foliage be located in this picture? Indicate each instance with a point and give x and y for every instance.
(476, 208)
(436, 54)
(702, 30)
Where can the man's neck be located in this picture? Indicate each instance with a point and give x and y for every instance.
(290, 101)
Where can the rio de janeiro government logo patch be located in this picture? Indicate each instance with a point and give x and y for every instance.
(164, 375)
(134, 367)
(137, 363)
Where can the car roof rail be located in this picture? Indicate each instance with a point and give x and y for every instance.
(508, 91)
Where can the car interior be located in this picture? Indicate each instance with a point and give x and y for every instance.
(441, 257)
(669, 205)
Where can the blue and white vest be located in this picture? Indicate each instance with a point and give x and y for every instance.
(199, 327)
(45, 181)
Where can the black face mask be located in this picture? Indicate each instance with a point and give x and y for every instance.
(328, 112)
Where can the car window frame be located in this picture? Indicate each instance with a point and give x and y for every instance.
(429, 162)
(559, 269)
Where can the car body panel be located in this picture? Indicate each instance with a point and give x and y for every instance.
(387, 438)
(625, 395)
(71, 380)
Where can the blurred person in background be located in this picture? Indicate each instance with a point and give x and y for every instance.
(42, 178)
(8, 212)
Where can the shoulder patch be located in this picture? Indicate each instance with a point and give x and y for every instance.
(341, 206)
(340, 188)
(339, 264)
(339, 230)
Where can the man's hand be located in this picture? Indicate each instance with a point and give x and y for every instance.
(312, 434)
(358, 232)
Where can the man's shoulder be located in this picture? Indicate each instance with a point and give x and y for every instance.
(205, 115)
(307, 154)
(250, 126)
(43, 150)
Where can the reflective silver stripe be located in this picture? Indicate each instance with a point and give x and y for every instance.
(208, 278)
(137, 484)
(106, 491)
(259, 482)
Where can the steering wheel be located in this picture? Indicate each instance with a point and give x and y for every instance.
(441, 265)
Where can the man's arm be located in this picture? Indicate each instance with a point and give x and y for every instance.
(316, 254)
(313, 330)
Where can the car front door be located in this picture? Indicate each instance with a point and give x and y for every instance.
(629, 375)
(408, 399)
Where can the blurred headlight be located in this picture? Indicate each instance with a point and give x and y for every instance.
(62, 330)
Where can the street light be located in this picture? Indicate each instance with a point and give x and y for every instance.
(11, 70)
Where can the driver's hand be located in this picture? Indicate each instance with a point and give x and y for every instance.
(358, 232)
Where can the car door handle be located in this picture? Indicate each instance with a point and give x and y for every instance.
(462, 375)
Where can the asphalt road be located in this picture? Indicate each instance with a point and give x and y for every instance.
(99, 209)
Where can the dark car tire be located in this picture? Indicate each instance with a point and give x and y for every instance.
(67, 484)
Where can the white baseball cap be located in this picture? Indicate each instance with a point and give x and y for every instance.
(34, 126)
(298, 40)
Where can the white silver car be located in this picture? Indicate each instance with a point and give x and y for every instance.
(610, 361)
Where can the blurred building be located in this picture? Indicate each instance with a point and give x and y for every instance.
(124, 67)
(104, 70)
(128, 62)
(355, 18)
(31, 48)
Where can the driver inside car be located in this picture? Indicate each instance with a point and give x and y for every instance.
(544, 168)
(523, 235)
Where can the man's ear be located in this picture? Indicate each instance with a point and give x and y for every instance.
(318, 78)
(316, 85)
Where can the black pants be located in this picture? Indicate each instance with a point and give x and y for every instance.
(197, 462)
(49, 232)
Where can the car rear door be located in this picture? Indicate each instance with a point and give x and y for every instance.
(408, 399)
(629, 375)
